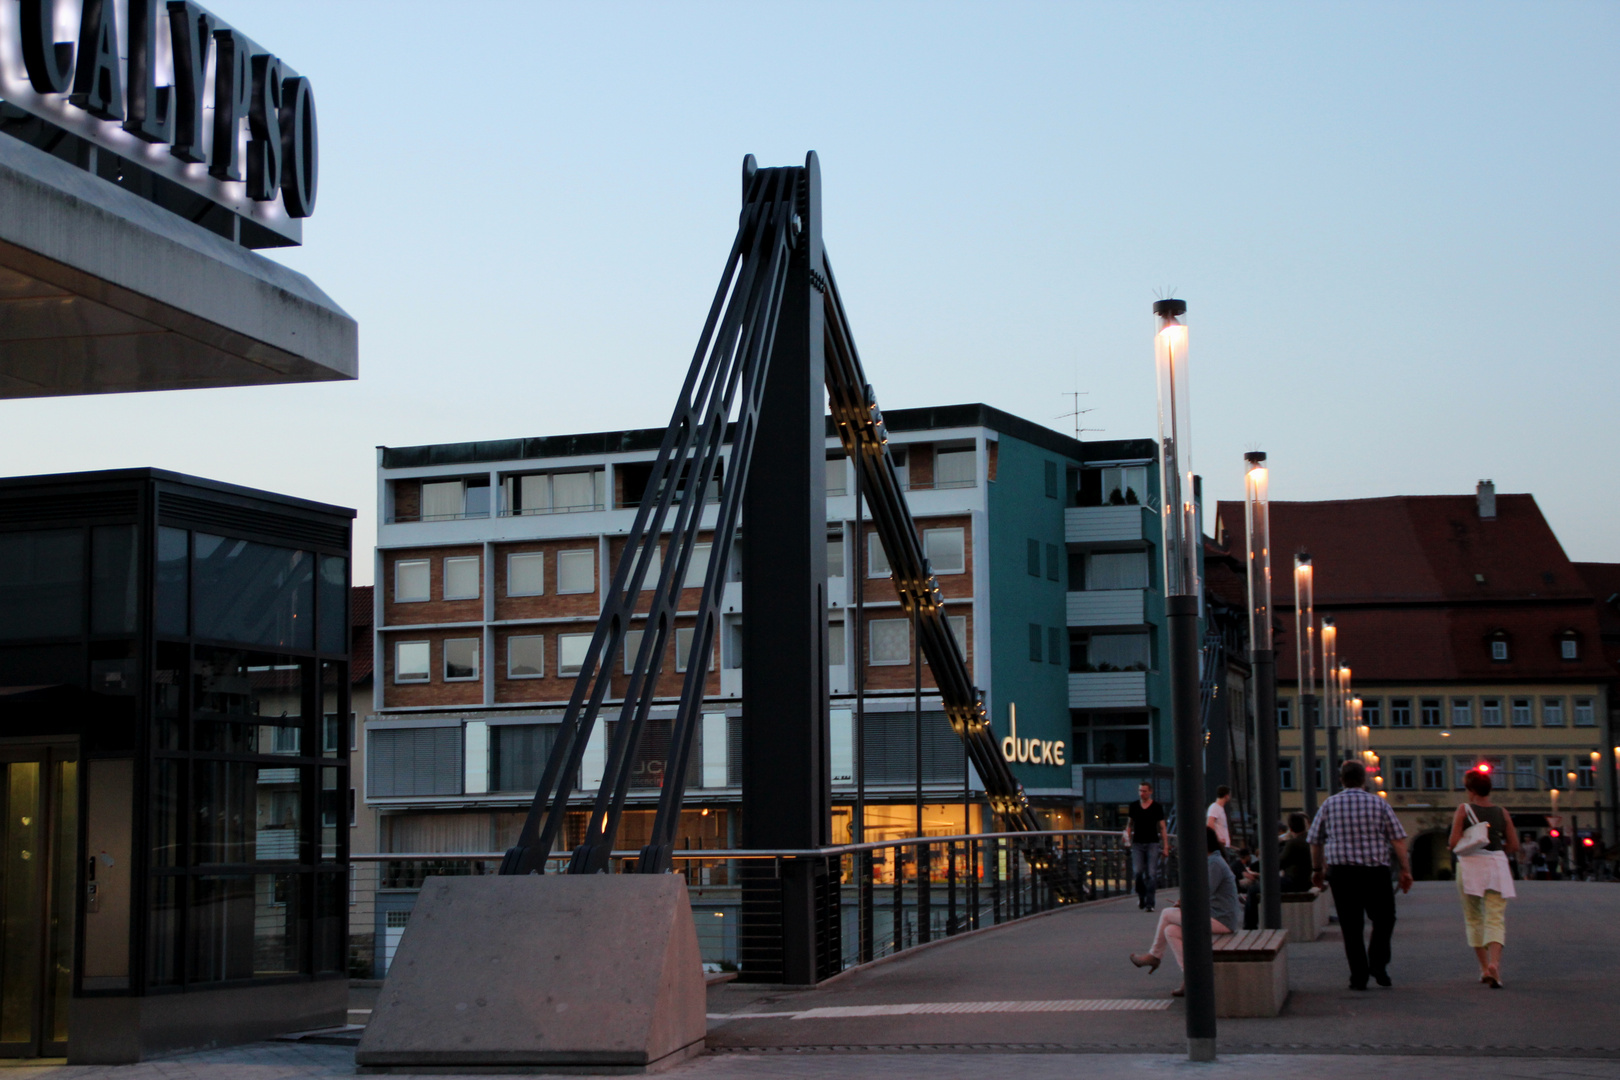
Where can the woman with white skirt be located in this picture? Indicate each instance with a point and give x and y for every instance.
(1484, 880)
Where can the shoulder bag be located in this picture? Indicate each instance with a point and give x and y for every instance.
(1475, 838)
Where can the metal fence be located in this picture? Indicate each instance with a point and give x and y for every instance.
(890, 895)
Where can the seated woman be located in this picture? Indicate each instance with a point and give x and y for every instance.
(1223, 913)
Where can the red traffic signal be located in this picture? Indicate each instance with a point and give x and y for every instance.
(1553, 833)
(1586, 841)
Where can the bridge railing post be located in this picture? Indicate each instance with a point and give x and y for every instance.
(863, 901)
(898, 859)
(925, 897)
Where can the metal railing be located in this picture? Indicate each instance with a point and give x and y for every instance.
(881, 897)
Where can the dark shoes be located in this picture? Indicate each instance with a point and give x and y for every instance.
(1382, 978)
(1358, 986)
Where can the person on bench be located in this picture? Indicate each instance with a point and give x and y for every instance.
(1223, 913)
(1295, 864)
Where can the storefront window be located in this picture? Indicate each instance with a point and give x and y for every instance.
(252, 593)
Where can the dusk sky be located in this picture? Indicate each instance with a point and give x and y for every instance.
(1395, 226)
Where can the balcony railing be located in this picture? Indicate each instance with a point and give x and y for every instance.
(1107, 607)
(1104, 524)
(1107, 689)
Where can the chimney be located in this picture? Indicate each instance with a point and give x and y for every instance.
(1485, 493)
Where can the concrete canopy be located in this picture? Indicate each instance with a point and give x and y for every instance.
(103, 292)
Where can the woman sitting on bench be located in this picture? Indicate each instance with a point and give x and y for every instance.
(1223, 913)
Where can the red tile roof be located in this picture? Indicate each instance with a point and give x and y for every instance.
(1418, 584)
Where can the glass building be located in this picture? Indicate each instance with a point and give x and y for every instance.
(173, 764)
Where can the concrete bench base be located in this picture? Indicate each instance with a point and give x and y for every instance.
(1251, 973)
(1305, 915)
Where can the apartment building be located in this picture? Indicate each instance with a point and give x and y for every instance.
(491, 562)
(1472, 639)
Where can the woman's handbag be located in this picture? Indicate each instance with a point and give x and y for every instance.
(1475, 838)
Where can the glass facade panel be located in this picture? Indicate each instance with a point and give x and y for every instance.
(172, 594)
(112, 579)
(166, 812)
(332, 598)
(252, 593)
(331, 917)
(333, 811)
(518, 753)
(41, 584)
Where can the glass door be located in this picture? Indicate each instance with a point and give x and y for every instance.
(39, 843)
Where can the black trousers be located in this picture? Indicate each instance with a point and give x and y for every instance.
(1362, 893)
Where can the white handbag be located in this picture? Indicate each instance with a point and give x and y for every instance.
(1475, 838)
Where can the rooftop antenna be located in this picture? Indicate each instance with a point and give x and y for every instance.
(1077, 412)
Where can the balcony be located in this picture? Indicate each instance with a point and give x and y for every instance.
(1108, 607)
(1108, 689)
(1104, 524)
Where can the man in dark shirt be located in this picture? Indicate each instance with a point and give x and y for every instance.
(1148, 837)
(1296, 856)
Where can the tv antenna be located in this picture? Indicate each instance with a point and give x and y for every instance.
(1077, 412)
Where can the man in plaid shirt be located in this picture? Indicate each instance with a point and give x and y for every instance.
(1352, 837)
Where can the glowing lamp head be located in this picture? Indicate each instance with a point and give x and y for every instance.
(1586, 841)
(1484, 767)
(1554, 833)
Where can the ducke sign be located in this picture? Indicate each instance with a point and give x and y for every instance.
(173, 88)
(1029, 751)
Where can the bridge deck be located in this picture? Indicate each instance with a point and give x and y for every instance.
(1062, 982)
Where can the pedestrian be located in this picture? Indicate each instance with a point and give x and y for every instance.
(1215, 816)
(1148, 837)
(1483, 878)
(1223, 914)
(1351, 840)
(1294, 864)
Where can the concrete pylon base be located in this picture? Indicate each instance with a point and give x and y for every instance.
(595, 973)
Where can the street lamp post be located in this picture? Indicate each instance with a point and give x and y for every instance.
(1330, 698)
(1257, 506)
(1179, 541)
(1305, 667)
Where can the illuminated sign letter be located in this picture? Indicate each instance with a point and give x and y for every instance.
(300, 159)
(233, 94)
(150, 106)
(190, 28)
(264, 129)
(49, 62)
(98, 84)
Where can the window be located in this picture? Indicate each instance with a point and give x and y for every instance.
(518, 754)
(956, 468)
(414, 761)
(1401, 774)
(461, 578)
(1034, 643)
(1490, 712)
(1051, 480)
(1053, 553)
(835, 556)
(1117, 570)
(354, 808)
(526, 573)
(555, 493)
(576, 571)
(1400, 712)
(1569, 648)
(1524, 773)
(1372, 712)
(1554, 774)
(442, 499)
(1434, 774)
(1034, 558)
(1462, 712)
(1117, 652)
(837, 482)
(946, 550)
(697, 567)
(1584, 714)
(684, 636)
(411, 578)
(1285, 713)
(1126, 486)
(877, 560)
(1460, 768)
(1429, 712)
(897, 454)
(1319, 771)
(525, 656)
(1585, 776)
(412, 661)
(1522, 716)
(571, 650)
(889, 641)
(1285, 773)
(836, 657)
(655, 566)
(1055, 641)
(460, 659)
(1552, 712)
(631, 648)
(958, 625)
(1499, 649)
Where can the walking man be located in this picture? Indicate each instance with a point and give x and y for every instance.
(1351, 838)
(1148, 836)
(1215, 816)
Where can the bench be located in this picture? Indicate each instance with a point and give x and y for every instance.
(1305, 914)
(1251, 973)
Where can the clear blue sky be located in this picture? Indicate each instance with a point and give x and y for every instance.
(1395, 226)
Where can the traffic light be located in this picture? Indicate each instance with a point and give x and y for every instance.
(1554, 833)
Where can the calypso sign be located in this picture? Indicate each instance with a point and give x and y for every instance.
(1029, 751)
(138, 76)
